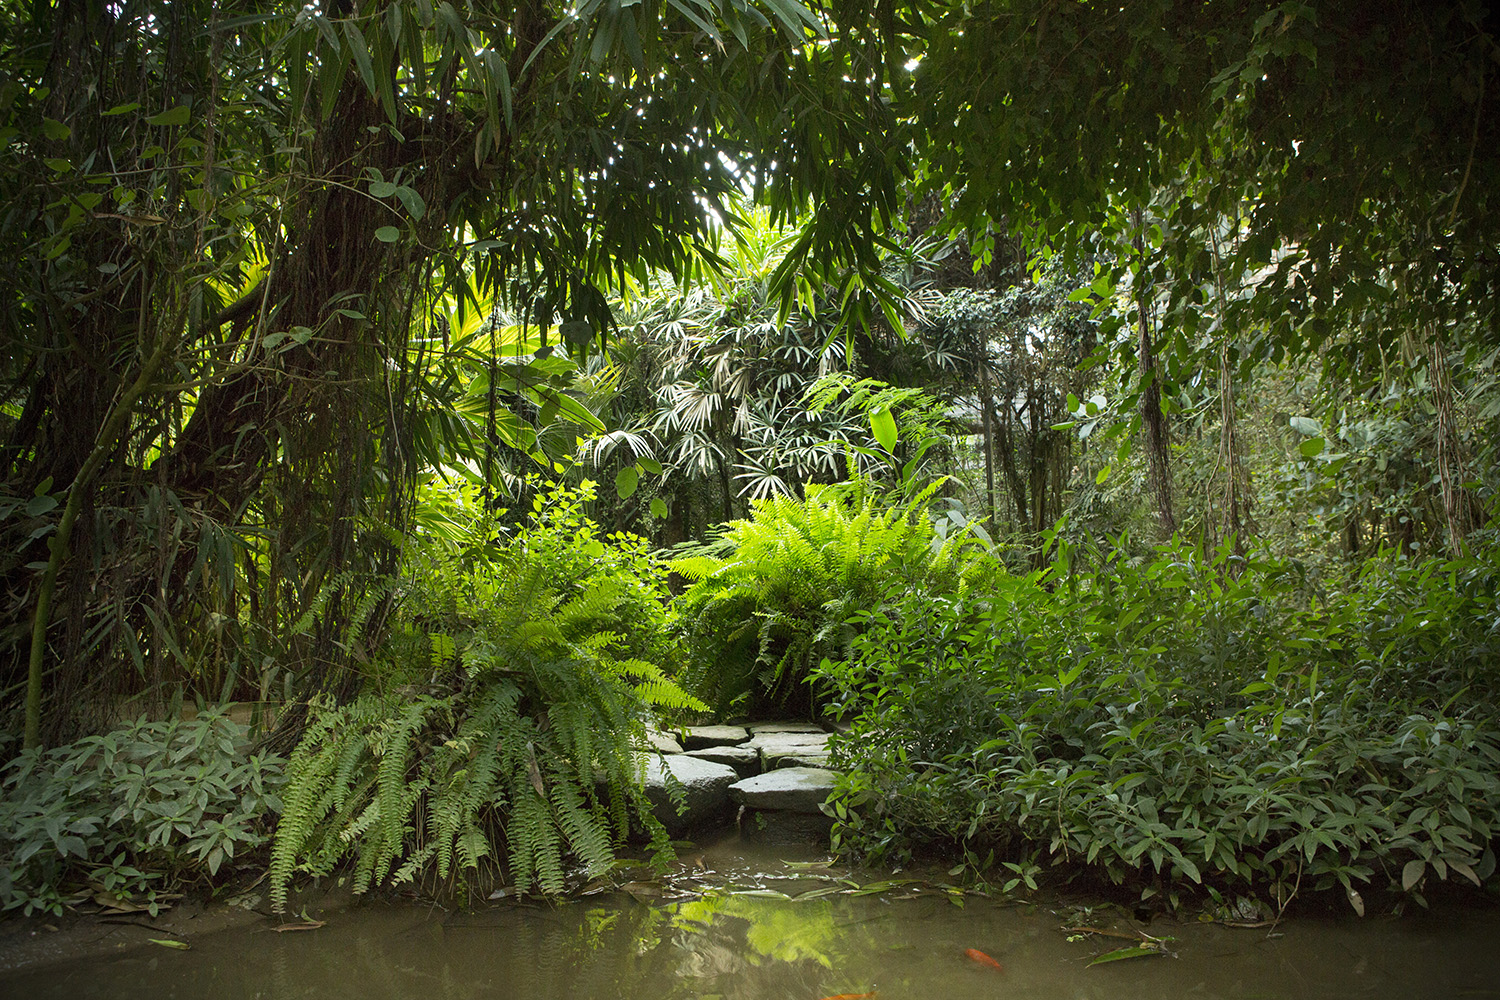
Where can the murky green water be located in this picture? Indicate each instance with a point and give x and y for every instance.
(738, 943)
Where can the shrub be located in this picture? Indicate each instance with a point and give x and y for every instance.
(131, 813)
(775, 595)
(519, 731)
(1173, 725)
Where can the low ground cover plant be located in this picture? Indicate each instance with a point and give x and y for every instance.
(1185, 726)
(127, 817)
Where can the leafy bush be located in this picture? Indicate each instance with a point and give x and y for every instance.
(1174, 725)
(521, 728)
(131, 813)
(775, 595)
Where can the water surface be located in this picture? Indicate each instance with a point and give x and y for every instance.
(733, 935)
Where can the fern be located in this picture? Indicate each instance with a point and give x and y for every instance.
(774, 596)
(447, 782)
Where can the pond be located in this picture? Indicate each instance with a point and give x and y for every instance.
(724, 927)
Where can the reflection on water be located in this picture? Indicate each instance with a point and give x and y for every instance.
(742, 941)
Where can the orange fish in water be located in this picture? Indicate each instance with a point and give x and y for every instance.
(975, 955)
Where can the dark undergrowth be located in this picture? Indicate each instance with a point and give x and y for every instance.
(1183, 727)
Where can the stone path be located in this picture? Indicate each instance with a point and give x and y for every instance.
(774, 772)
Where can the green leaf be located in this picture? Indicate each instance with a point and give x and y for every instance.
(360, 50)
(883, 425)
(120, 109)
(1312, 447)
(1121, 954)
(37, 506)
(1412, 873)
(58, 164)
(179, 115)
(54, 129)
(658, 508)
(387, 234)
(383, 189)
(626, 481)
(415, 206)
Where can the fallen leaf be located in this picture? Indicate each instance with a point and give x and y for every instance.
(1109, 932)
(1121, 954)
(310, 925)
(168, 943)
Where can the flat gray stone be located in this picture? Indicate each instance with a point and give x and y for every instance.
(661, 742)
(705, 782)
(791, 789)
(803, 760)
(744, 760)
(698, 737)
(785, 727)
(774, 747)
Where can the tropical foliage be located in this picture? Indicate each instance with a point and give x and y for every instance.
(516, 733)
(773, 597)
(1097, 407)
(127, 818)
(1181, 727)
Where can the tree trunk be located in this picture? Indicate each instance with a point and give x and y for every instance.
(1459, 504)
(1153, 419)
(985, 405)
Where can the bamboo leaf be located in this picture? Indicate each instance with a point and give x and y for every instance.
(173, 116)
(1122, 954)
(360, 50)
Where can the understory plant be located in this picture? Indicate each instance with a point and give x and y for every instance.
(503, 735)
(776, 593)
(1187, 726)
(126, 817)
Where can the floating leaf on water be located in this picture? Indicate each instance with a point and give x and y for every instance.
(1121, 954)
(309, 925)
(827, 890)
(169, 943)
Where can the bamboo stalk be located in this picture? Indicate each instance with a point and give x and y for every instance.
(58, 544)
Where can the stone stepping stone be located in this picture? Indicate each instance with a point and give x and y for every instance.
(774, 747)
(785, 829)
(744, 760)
(790, 789)
(786, 727)
(803, 760)
(705, 782)
(662, 742)
(699, 737)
